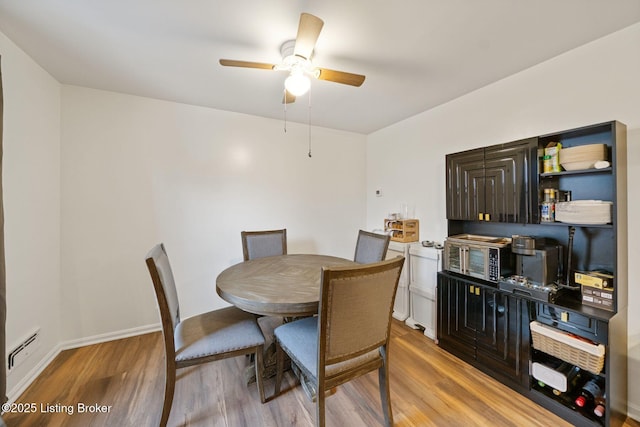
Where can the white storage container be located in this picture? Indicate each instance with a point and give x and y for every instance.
(584, 212)
(550, 376)
(582, 156)
(425, 264)
(401, 304)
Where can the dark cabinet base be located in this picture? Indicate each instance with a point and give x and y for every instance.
(484, 327)
(489, 329)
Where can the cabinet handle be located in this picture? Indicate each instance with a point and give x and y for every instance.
(474, 290)
(487, 217)
(480, 216)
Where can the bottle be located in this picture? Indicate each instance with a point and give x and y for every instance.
(592, 389)
(601, 404)
(545, 207)
(548, 205)
(573, 375)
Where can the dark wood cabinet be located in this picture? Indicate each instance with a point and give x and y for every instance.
(489, 328)
(465, 184)
(484, 326)
(505, 329)
(492, 184)
(457, 316)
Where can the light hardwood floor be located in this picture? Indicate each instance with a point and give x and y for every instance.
(429, 387)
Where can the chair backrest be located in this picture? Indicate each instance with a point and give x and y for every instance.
(355, 309)
(371, 247)
(259, 244)
(166, 294)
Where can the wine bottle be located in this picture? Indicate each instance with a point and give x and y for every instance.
(592, 389)
(601, 404)
(573, 375)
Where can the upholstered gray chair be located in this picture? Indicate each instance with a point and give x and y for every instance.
(371, 247)
(350, 335)
(203, 338)
(259, 244)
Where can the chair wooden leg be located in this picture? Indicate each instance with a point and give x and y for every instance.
(385, 394)
(279, 368)
(169, 388)
(259, 362)
(320, 398)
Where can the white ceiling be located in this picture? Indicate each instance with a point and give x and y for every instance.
(416, 54)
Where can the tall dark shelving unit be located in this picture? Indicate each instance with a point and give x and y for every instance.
(475, 317)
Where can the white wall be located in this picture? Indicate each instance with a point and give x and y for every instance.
(31, 175)
(138, 171)
(595, 83)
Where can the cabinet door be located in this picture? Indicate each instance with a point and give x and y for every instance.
(464, 172)
(508, 182)
(457, 317)
(474, 202)
(492, 184)
(500, 335)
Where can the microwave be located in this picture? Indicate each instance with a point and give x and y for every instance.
(482, 257)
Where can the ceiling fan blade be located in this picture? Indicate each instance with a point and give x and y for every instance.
(308, 31)
(288, 98)
(341, 77)
(246, 64)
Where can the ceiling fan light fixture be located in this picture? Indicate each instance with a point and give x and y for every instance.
(296, 60)
(297, 83)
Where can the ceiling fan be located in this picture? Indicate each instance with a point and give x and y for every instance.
(296, 59)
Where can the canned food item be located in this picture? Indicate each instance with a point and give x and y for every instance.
(547, 212)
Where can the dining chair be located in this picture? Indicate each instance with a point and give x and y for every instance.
(371, 247)
(350, 335)
(214, 335)
(259, 244)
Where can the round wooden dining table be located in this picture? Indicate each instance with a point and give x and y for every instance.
(282, 286)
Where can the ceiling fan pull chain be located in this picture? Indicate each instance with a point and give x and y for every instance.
(309, 121)
(285, 110)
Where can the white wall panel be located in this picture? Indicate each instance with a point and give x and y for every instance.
(138, 171)
(31, 191)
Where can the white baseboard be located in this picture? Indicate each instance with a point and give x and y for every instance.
(25, 382)
(633, 411)
(110, 336)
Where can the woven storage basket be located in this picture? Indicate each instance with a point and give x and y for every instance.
(567, 347)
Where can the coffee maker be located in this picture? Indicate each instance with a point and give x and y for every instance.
(539, 260)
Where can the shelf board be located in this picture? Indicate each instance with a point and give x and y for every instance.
(571, 224)
(576, 172)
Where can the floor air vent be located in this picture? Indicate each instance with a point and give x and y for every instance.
(23, 350)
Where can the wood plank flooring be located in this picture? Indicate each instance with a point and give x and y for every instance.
(429, 387)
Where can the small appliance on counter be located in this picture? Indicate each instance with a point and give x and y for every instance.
(483, 257)
(538, 268)
(537, 259)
